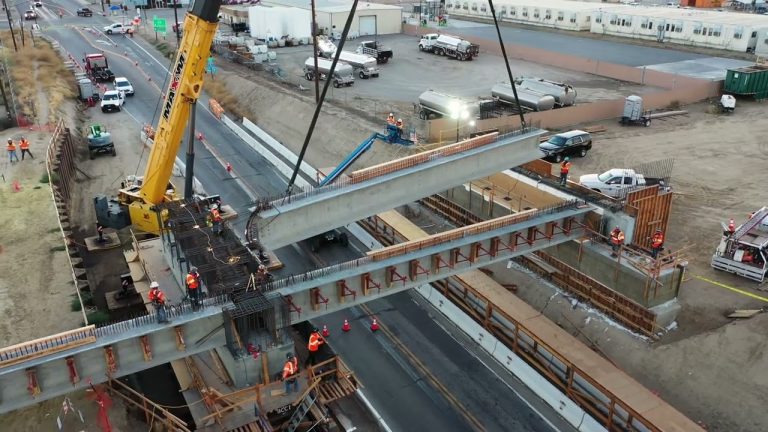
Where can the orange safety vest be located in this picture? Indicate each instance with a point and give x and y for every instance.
(565, 167)
(215, 215)
(192, 281)
(617, 238)
(157, 296)
(11, 146)
(658, 240)
(314, 342)
(24, 144)
(290, 368)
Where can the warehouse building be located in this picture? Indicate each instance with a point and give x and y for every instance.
(370, 18)
(559, 14)
(694, 27)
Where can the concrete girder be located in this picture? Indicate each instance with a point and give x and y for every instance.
(124, 344)
(409, 265)
(376, 189)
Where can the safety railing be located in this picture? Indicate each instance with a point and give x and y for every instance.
(48, 345)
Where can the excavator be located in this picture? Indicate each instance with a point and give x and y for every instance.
(138, 196)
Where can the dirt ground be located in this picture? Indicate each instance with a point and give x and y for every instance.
(708, 367)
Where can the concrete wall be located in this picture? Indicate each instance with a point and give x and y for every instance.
(596, 262)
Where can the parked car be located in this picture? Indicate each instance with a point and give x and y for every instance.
(617, 182)
(572, 143)
(30, 15)
(113, 100)
(84, 12)
(122, 84)
(116, 28)
(38, 4)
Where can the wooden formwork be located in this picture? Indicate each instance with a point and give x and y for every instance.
(650, 207)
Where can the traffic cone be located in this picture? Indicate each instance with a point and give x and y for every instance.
(16, 186)
(346, 327)
(229, 168)
(374, 325)
(325, 333)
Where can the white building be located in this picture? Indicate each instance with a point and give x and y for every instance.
(695, 27)
(370, 18)
(276, 22)
(560, 14)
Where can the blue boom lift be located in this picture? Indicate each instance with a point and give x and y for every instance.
(393, 136)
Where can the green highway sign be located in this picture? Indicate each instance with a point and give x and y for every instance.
(159, 24)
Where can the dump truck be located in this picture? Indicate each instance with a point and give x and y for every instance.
(97, 67)
(450, 46)
(343, 75)
(375, 50)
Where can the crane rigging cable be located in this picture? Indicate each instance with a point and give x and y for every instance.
(506, 63)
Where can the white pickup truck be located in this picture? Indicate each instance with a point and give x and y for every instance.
(617, 182)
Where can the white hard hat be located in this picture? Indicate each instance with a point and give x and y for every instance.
(215, 207)
(154, 285)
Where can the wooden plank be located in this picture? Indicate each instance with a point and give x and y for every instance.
(745, 313)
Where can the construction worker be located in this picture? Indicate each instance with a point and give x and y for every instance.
(657, 243)
(391, 118)
(290, 370)
(11, 147)
(565, 167)
(617, 240)
(315, 340)
(157, 298)
(24, 146)
(262, 276)
(193, 287)
(100, 231)
(731, 227)
(216, 219)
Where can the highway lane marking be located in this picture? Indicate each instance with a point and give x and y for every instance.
(473, 421)
(734, 289)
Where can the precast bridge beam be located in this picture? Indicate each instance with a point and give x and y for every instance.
(46, 368)
(372, 190)
(408, 265)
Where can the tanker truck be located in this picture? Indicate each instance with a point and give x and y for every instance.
(564, 94)
(342, 76)
(434, 104)
(365, 66)
(450, 46)
(528, 99)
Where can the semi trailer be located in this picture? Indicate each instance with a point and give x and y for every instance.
(343, 75)
(529, 99)
(432, 103)
(564, 94)
(364, 65)
(451, 46)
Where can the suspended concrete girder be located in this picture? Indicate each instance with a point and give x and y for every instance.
(49, 367)
(409, 265)
(372, 190)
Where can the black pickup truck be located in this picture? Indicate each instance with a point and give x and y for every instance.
(376, 50)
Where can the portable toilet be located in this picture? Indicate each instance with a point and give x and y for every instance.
(633, 108)
(86, 89)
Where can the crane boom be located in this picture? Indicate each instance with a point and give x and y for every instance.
(184, 89)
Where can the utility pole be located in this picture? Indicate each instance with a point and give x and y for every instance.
(10, 24)
(314, 44)
(21, 25)
(189, 173)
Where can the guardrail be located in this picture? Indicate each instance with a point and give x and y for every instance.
(48, 345)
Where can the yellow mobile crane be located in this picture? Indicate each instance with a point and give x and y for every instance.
(141, 195)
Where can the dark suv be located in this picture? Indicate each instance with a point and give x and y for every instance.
(572, 143)
(84, 12)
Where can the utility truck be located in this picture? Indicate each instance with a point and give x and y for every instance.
(451, 46)
(375, 50)
(744, 251)
(617, 182)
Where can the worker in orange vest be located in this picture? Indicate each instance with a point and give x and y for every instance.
(193, 287)
(24, 146)
(315, 340)
(657, 243)
(731, 227)
(391, 118)
(617, 240)
(290, 370)
(565, 167)
(157, 298)
(216, 219)
(11, 147)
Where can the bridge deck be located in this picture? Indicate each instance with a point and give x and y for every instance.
(589, 363)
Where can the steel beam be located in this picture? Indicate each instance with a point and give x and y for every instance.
(386, 186)
(409, 265)
(107, 352)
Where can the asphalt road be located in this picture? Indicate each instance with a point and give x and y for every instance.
(405, 399)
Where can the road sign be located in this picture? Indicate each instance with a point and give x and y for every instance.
(159, 24)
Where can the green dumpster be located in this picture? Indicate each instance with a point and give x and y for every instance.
(748, 81)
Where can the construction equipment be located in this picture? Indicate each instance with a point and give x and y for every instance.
(451, 46)
(139, 196)
(745, 251)
(97, 67)
(99, 141)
